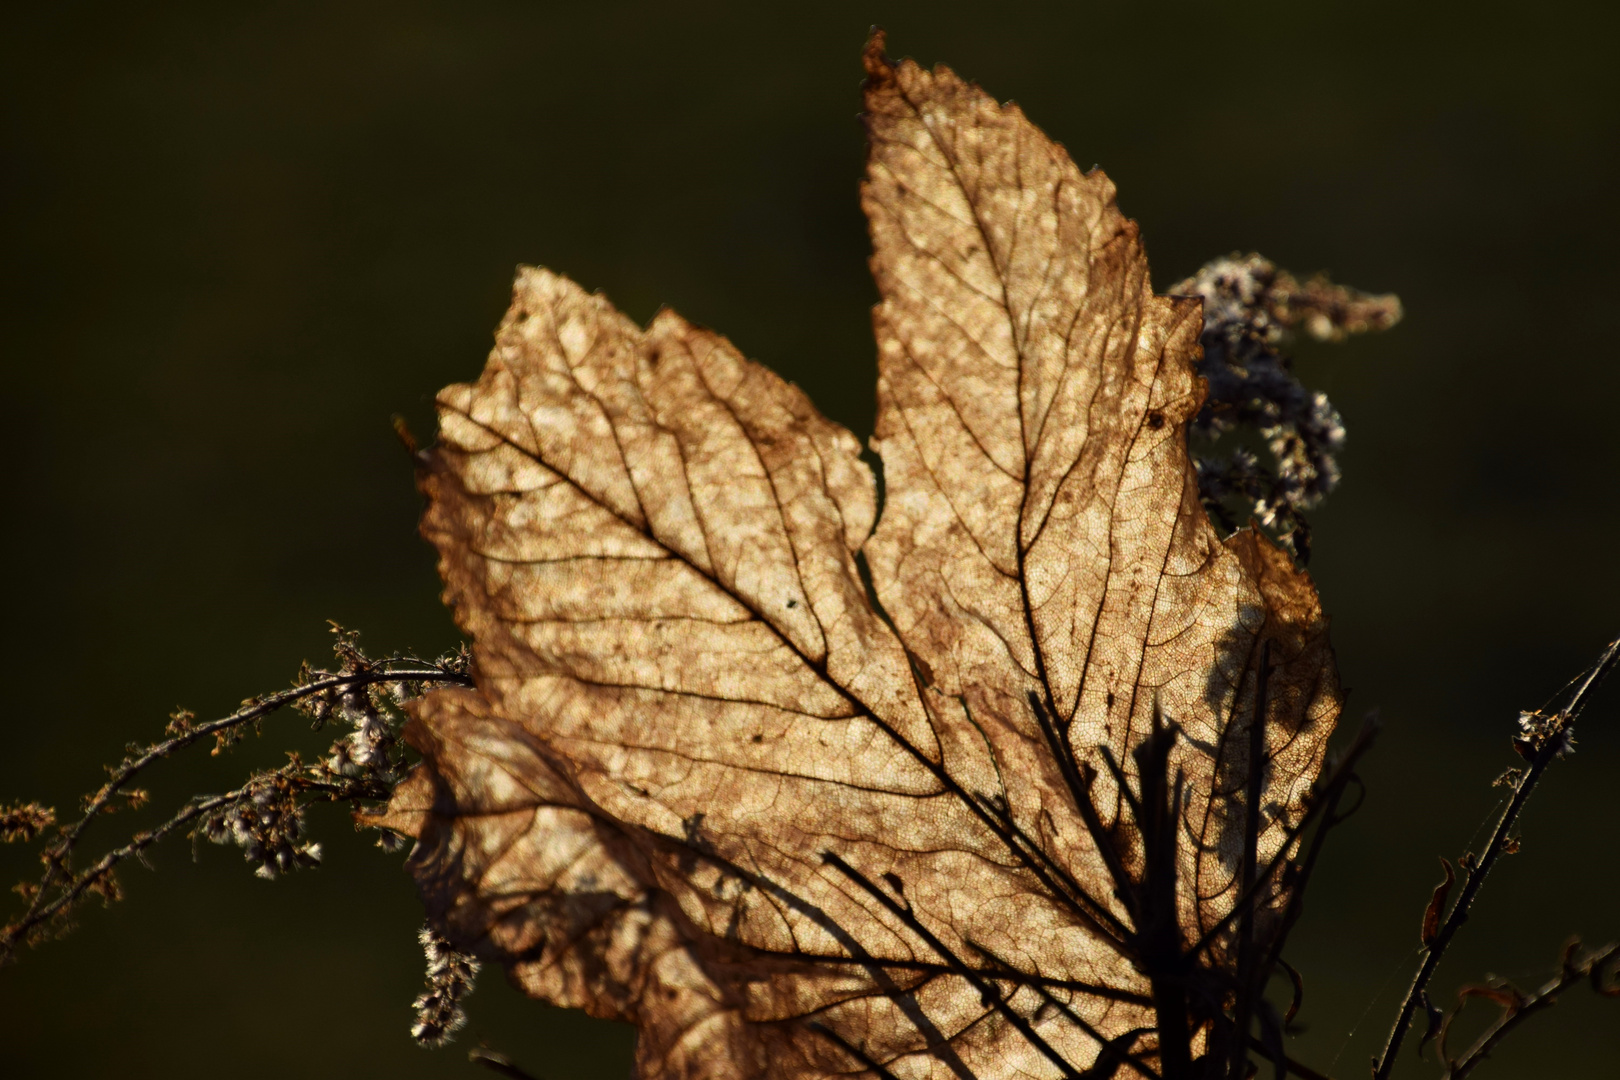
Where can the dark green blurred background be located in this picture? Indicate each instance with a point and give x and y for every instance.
(238, 237)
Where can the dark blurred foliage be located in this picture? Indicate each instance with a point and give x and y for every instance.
(238, 237)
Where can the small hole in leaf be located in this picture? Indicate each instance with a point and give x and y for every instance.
(1155, 420)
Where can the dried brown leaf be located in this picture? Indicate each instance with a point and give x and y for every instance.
(1437, 904)
(711, 783)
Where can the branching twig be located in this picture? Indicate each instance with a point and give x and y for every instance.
(1295, 1068)
(1544, 738)
(73, 889)
(1295, 871)
(1572, 970)
(1327, 801)
(497, 1062)
(318, 693)
(1248, 985)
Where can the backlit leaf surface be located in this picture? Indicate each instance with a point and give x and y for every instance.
(796, 786)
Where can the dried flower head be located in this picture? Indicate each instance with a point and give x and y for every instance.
(268, 825)
(1249, 306)
(450, 978)
(24, 821)
(1538, 730)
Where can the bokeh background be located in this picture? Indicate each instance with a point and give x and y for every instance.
(239, 237)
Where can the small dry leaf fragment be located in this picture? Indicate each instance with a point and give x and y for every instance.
(1605, 975)
(711, 783)
(1501, 993)
(1435, 1022)
(1437, 904)
(1504, 994)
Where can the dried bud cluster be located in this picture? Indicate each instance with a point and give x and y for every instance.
(1249, 305)
(373, 750)
(265, 816)
(267, 819)
(450, 977)
(24, 821)
(267, 824)
(374, 740)
(1538, 730)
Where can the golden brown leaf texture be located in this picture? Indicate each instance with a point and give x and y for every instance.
(711, 784)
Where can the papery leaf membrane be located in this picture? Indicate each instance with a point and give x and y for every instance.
(708, 785)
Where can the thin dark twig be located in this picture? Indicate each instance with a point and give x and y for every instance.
(1573, 971)
(498, 1062)
(42, 913)
(1159, 823)
(1072, 893)
(1123, 1053)
(1553, 743)
(1239, 1058)
(1341, 775)
(978, 980)
(58, 874)
(1298, 1068)
(1079, 780)
(1041, 984)
(139, 843)
(851, 1049)
(258, 709)
(1300, 872)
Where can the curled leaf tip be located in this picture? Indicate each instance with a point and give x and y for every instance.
(1437, 904)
